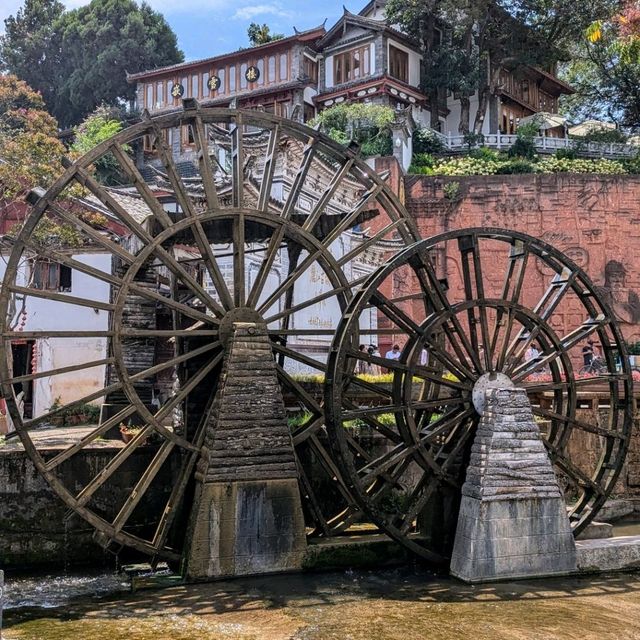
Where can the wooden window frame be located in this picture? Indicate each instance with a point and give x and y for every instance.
(310, 68)
(399, 63)
(42, 271)
(344, 67)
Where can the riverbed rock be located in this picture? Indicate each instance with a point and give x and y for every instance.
(613, 510)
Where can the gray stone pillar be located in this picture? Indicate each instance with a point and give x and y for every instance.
(247, 513)
(513, 520)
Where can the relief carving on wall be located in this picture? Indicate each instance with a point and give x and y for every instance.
(624, 301)
(569, 245)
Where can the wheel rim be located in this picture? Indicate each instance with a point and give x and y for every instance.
(239, 201)
(454, 314)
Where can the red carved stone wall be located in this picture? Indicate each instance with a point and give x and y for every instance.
(595, 220)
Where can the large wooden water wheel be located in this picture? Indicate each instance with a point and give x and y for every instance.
(257, 219)
(470, 310)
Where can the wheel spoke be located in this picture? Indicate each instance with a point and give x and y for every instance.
(237, 161)
(130, 169)
(60, 370)
(238, 261)
(349, 219)
(269, 168)
(201, 142)
(474, 292)
(61, 297)
(578, 424)
(273, 247)
(177, 493)
(395, 314)
(319, 298)
(439, 304)
(142, 485)
(581, 479)
(200, 236)
(329, 192)
(544, 309)
(152, 371)
(370, 242)
(566, 343)
(115, 420)
(94, 234)
(308, 155)
(113, 465)
(511, 291)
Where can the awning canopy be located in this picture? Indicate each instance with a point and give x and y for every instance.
(589, 126)
(545, 120)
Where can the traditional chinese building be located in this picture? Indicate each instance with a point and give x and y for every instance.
(361, 58)
(280, 77)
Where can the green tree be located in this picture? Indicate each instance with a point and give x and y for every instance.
(467, 43)
(101, 125)
(30, 152)
(30, 46)
(605, 70)
(80, 59)
(102, 42)
(261, 34)
(367, 124)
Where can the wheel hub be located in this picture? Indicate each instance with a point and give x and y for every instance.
(485, 383)
(238, 314)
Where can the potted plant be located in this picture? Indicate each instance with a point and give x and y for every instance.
(129, 432)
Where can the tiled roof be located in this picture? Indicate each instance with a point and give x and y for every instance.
(133, 204)
(298, 36)
(366, 23)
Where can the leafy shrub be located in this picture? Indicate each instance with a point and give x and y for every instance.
(473, 139)
(367, 124)
(581, 165)
(418, 170)
(467, 166)
(516, 166)
(568, 154)
(380, 145)
(483, 153)
(632, 165)
(462, 166)
(451, 190)
(426, 141)
(523, 148)
(422, 160)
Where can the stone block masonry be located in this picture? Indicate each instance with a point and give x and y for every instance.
(513, 520)
(247, 515)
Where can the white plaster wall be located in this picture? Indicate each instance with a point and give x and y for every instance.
(453, 119)
(49, 315)
(309, 93)
(328, 71)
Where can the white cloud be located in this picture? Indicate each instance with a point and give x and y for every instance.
(251, 11)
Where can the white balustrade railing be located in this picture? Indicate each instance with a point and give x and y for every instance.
(544, 144)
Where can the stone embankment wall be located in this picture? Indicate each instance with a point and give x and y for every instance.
(37, 528)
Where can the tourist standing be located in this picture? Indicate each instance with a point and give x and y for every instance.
(362, 365)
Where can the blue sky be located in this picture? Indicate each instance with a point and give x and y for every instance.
(210, 27)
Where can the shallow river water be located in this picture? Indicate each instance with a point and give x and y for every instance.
(401, 604)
